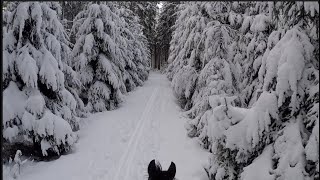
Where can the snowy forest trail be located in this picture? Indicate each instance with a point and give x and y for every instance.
(119, 144)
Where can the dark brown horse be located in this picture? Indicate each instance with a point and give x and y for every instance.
(155, 171)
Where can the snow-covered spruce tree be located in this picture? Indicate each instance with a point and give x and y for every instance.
(69, 11)
(137, 44)
(104, 56)
(201, 68)
(38, 106)
(215, 78)
(277, 135)
(184, 57)
(274, 119)
(125, 45)
(253, 22)
(96, 57)
(237, 136)
(147, 12)
(192, 19)
(297, 87)
(274, 68)
(179, 37)
(167, 18)
(291, 59)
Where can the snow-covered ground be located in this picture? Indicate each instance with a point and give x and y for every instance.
(119, 144)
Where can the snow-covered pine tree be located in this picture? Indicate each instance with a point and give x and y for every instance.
(164, 28)
(237, 136)
(110, 55)
(184, 57)
(69, 11)
(137, 44)
(179, 37)
(125, 43)
(288, 72)
(296, 83)
(201, 68)
(147, 12)
(274, 68)
(36, 100)
(72, 82)
(96, 57)
(288, 77)
(253, 23)
(216, 77)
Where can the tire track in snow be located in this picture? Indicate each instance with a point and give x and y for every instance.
(127, 157)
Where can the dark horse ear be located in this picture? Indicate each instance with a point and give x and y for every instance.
(172, 170)
(153, 169)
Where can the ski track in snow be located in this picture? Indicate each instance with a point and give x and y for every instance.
(119, 144)
(126, 161)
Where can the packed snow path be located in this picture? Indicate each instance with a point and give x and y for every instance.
(119, 144)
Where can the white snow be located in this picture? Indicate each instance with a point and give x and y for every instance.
(119, 144)
(312, 148)
(49, 72)
(35, 104)
(13, 99)
(10, 132)
(27, 121)
(89, 41)
(260, 167)
(45, 146)
(260, 23)
(289, 149)
(68, 99)
(286, 61)
(28, 69)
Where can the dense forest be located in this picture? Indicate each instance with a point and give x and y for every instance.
(65, 60)
(246, 75)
